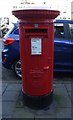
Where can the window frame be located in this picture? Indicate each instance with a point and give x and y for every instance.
(71, 37)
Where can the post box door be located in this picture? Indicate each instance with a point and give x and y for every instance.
(37, 61)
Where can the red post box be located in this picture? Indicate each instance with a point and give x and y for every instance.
(36, 52)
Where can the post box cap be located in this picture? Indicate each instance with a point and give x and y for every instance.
(35, 14)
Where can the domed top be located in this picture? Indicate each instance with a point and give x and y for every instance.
(35, 14)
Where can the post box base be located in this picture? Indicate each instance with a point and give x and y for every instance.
(37, 102)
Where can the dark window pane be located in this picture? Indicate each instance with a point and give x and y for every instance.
(59, 30)
(16, 31)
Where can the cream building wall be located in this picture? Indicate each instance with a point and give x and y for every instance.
(64, 6)
(72, 10)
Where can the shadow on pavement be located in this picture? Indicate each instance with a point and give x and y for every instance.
(63, 76)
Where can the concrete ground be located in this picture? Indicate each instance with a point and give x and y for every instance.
(12, 105)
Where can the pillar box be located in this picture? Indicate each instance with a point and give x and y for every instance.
(36, 31)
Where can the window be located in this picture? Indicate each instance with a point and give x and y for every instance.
(71, 30)
(16, 32)
(59, 30)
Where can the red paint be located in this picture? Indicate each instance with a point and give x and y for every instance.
(37, 69)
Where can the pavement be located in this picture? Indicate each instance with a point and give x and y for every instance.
(12, 105)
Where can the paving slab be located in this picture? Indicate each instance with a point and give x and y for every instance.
(63, 113)
(63, 81)
(60, 108)
(10, 96)
(23, 113)
(0, 117)
(4, 86)
(58, 85)
(0, 107)
(46, 113)
(14, 87)
(0, 90)
(61, 91)
(69, 87)
(8, 109)
(0, 98)
(26, 112)
(0, 82)
(62, 101)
